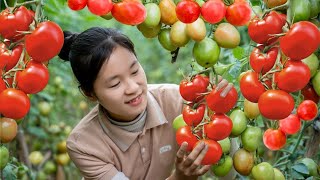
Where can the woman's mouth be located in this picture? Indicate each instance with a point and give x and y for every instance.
(136, 101)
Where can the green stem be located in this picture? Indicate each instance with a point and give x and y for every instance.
(281, 164)
(299, 137)
(27, 3)
(6, 4)
(281, 159)
(38, 10)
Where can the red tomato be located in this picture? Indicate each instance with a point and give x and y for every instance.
(14, 103)
(220, 104)
(293, 77)
(77, 4)
(129, 12)
(293, 44)
(307, 110)
(184, 134)
(100, 7)
(191, 116)
(310, 94)
(192, 90)
(262, 62)
(13, 22)
(275, 104)
(45, 41)
(261, 30)
(239, 13)
(33, 79)
(9, 58)
(250, 86)
(213, 154)
(274, 139)
(290, 124)
(188, 11)
(213, 11)
(219, 127)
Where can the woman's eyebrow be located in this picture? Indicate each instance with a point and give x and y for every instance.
(133, 63)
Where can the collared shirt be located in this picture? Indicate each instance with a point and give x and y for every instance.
(102, 150)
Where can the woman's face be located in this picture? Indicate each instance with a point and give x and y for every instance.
(121, 85)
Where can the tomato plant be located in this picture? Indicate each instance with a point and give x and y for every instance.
(188, 11)
(129, 12)
(213, 11)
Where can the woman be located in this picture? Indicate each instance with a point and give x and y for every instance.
(129, 134)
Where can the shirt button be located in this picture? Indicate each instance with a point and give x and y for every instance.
(143, 150)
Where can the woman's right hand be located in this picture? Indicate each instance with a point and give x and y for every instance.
(188, 165)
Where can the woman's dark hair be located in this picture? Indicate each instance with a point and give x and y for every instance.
(88, 51)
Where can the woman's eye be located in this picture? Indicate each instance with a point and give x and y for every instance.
(135, 72)
(115, 85)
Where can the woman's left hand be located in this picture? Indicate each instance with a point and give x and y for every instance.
(223, 84)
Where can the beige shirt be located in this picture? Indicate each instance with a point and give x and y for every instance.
(102, 150)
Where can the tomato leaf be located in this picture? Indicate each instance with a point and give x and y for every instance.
(238, 52)
(301, 168)
(39, 132)
(8, 172)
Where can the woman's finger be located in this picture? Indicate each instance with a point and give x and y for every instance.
(221, 84)
(226, 90)
(202, 170)
(194, 154)
(182, 152)
(197, 162)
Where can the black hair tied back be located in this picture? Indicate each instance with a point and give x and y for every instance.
(69, 38)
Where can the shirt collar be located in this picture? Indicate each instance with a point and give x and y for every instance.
(122, 138)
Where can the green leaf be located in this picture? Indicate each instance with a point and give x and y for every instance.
(8, 172)
(37, 131)
(238, 52)
(301, 168)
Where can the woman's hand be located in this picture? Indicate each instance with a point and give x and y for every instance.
(223, 84)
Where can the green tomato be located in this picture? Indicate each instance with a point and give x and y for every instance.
(178, 122)
(107, 16)
(206, 52)
(239, 122)
(41, 176)
(225, 145)
(316, 82)
(263, 171)
(227, 36)
(153, 15)
(149, 32)
(36, 157)
(251, 110)
(44, 108)
(178, 34)
(251, 137)
(4, 157)
(299, 10)
(278, 174)
(223, 167)
(50, 167)
(313, 63)
(243, 162)
(314, 8)
(164, 39)
(311, 165)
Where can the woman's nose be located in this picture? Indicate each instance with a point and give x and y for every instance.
(132, 86)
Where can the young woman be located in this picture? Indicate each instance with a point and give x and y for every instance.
(129, 134)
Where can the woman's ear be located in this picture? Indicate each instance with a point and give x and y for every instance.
(91, 96)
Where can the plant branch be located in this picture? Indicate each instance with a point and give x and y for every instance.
(27, 3)
(24, 152)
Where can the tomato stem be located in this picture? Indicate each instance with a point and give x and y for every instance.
(27, 3)
(285, 6)
(5, 3)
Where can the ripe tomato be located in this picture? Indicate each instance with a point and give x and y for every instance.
(9, 58)
(191, 116)
(33, 79)
(290, 125)
(276, 104)
(197, 30)
(100, 7)
(191, 90)
(219, 104)
(77, 5)
(219, 127)
(45, 41)
(243, 161)
(8, 129)
(2, 85)
(168, 12)
(263, 62)
(184, 134)
(274, 139)
(129, 12)
(307, 110)
(188, 11)
(213, 11)
(14, 103)
(239, 13)
(213, 154)
(310, 94)
(292, 44)
(293, 77)
(250, 86)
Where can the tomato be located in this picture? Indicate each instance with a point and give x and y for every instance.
(310, 94)
(219, 127)
(178, 122)
(77, 4)
(290, 125)
(227, 36)
(219, 104)
(292, 44)
(36, 157)
(250, 138)
(225, 145)
(99, 7)
(63, 159)
(251, 110)
(188, 11)
(33, 78)
(223, 167)
(191, 90)
(293, 77)
(178, 34)
(8, 129)
(193, 117)
(307, 110)
(239, 122)
(13, 22)
(274, 3)
(262, 62)
(243, 162)
(197, 30)
(214, 152)
(239, 13)
(261, 30)
(4, 157)
(149, 32)
(129, 12)
(165, 41)
(206, 52)
(314, 8)
(9, 58)
(299, 10)
(250, 86)
(213, 11)
(14, 103)
(62, 146)
(276, 104)
(2, 85)
(184, 134)
(312, 62)
(168, 12)
(316, 83)
(278, 174)
(153, 15)
(274, 139)
(45, 41)
(44, 108)
(263, 171)
(50, 167)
